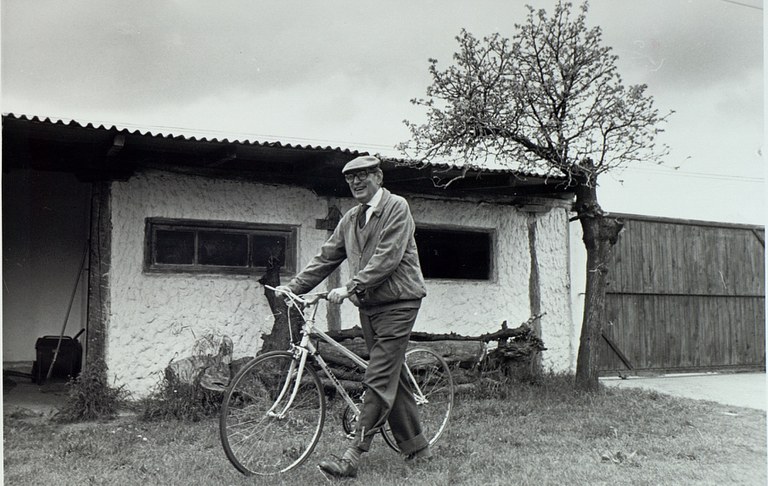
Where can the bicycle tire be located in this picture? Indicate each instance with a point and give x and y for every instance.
(258, 443)
(434, 379)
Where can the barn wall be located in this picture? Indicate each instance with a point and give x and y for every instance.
(156, 318)
(476, 307)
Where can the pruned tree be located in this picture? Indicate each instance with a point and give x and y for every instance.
(549, 98)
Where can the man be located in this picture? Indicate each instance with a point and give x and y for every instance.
(377, 239)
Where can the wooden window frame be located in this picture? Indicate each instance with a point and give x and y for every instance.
(290, 232)
(491, 234)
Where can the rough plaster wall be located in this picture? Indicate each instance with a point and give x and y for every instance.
(578, 267)
(476, 307)
(552, 253)
(156, 318)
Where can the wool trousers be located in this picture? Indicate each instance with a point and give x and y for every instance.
(388, 396)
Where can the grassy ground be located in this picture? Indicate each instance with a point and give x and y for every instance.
(535, 434)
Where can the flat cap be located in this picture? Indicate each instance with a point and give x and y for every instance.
(361, 163)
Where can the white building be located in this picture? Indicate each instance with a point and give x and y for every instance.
(176, 231)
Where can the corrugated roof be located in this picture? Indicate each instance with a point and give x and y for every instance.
(169, 136)
(487, 167)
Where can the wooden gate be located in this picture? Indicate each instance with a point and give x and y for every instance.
(684, 296)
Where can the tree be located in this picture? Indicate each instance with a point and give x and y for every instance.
(548, 98)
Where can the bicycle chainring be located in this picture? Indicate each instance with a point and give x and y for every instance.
(349, 420)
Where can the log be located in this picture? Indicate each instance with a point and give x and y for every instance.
(454, 352)
(333, 356)
(351, 387)
(503, 333)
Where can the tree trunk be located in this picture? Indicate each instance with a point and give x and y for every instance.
(600, 234)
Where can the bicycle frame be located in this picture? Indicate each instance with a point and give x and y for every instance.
(306, 348)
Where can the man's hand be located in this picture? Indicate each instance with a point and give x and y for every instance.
(338, 295)
(283, 290)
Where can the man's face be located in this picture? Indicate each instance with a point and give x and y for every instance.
(364, 184)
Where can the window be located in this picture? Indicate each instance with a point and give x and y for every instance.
(453, 254)
(176, 245)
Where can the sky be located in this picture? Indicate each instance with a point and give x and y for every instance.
(342, 74)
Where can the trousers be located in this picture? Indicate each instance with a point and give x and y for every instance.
(388, 396)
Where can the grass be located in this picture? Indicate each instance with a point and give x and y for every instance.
(523, 434)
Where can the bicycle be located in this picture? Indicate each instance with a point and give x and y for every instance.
(274, 409)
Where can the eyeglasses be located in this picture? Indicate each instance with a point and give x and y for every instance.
(360, 175)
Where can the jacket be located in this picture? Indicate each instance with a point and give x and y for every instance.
(383, 259)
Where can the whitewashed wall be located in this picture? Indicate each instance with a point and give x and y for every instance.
(476, 307)
(156, 318)
(578, 283)
(552, 251)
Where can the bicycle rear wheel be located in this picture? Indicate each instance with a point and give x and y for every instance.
(259, 434)
(433, 389)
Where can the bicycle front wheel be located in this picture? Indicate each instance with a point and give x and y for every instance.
(432, 385)
(265, 429)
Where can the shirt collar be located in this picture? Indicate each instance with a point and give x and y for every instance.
(376, 199)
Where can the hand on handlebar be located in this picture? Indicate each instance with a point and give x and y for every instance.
(284, 291)
(290, 298)
(338, 295)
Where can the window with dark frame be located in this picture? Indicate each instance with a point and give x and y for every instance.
(179, 246)
(455, 254)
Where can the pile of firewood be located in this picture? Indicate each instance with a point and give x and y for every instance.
(467, 356)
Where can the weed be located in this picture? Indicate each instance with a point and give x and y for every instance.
(90, 397)
(174, 399)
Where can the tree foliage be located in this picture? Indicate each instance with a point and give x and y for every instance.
(549, 98)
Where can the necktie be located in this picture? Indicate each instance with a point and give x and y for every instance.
(361, 216)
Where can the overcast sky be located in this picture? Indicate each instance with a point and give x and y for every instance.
(342, 73)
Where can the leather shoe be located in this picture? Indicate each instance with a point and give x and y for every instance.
(424, 454)
(338, 468)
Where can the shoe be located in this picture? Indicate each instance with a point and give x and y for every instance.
(424, 454)
(338, 468)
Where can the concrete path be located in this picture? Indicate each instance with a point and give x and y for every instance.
(736, 389)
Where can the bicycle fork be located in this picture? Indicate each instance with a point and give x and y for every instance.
(293, 377)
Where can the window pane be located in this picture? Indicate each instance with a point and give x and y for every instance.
(174, 247)
(454, 254)
(266, 246)
(222, 249)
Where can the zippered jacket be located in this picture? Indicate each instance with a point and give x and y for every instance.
(382, 256)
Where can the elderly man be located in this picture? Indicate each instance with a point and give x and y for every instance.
(377, 239)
